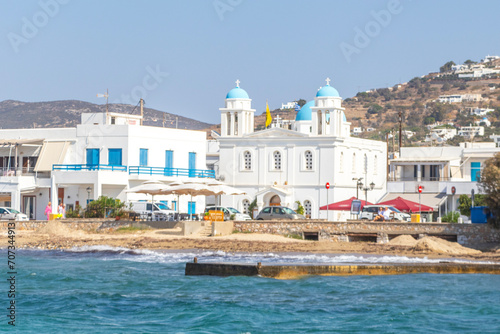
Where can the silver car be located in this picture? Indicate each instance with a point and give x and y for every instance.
(12, 214)
(278, 212)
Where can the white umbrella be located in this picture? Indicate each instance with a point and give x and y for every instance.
(150, 188)
(228, 190)
(193, 189)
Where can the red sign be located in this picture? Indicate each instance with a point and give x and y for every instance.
(327, 185)
(453, 190)
(419, 189)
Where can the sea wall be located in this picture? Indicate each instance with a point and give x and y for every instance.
(465, 234)
(89, 225)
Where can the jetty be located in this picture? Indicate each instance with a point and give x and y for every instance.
(291, 271)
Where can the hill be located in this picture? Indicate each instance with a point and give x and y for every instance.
(59, 114)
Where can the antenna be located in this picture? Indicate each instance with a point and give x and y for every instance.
(106, 96)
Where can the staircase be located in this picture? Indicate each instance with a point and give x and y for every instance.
(206, 232)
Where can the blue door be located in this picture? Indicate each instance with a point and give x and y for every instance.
(192, 164)
(169, 162)
(475, 169)
(93, 158)
(115, 156)
(143, 158)
(191, 208)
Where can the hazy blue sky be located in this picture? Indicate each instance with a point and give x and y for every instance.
(184, 56)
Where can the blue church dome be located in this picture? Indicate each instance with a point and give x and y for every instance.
(237, 93)
(305, 113)
(327, 91)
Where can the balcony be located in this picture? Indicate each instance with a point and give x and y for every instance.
(85, 167)
(415, 179)
(163, 171)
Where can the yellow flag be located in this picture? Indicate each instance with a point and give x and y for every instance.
(269, 119)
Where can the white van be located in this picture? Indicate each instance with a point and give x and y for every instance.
(160, 210)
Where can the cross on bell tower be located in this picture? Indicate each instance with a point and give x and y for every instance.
(328, 81)
(237, 83)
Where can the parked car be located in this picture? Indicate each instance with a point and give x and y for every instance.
(369, 212)
(160, 210)
(228, 212)
(278, 212)
(12, 214)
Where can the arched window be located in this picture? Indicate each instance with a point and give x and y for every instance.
(245, 203)
(307, 208)
(365, 164)
(309, 160)
(277, 160)
(341, 162)
(354, 162)
(247, 158)
(375, 165)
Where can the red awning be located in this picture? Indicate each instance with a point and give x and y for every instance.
(406, 205)
(344, 205)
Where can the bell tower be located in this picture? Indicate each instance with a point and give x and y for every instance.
(237, 117)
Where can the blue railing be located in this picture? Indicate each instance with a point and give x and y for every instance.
(89, 167)
(143, 170)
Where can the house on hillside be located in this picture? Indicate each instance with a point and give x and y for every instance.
(104, 155)
(471, 131)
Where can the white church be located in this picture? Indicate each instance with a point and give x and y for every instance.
(293, 161)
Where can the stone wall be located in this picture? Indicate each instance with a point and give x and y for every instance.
(465, 234)
(90, 225)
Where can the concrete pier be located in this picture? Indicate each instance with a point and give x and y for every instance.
(290, 271)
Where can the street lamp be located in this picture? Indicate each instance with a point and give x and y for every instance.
(88, 194)
(359, 185)
(366, 188)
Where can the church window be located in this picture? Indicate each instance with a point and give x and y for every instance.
(277, 160)
(365, 164)
(375, 165)
(247, 157)
(246, 205)
(307, 208)
(309, 160)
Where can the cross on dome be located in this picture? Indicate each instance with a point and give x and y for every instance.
(237, 83)
(328, 81)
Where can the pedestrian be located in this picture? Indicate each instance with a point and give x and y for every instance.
(61, 210)
(48, 210)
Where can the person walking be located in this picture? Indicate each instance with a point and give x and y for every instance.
(62, 210)
(48, 210)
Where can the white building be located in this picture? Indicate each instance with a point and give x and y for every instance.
(444, 133)
(288, 105)
(438, 170)
(356, 131)
(103, 156)
(471, 131)
(450, 99)
(481, 111)
(484, 120)
(496, 139)
(282, 166)
(489, 58)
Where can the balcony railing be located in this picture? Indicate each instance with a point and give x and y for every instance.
(89, 168)
(143, 170)
(432, 179)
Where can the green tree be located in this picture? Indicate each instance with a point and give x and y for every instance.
(446, 67)
(252, 206)
(375, 109)
(301, 102)
(446, 86)
(470, 62)
(300, 208)
(490, 185)
(429, 120)
(465, 203)
(104, 207)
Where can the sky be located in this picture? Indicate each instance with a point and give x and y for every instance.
(183, 57)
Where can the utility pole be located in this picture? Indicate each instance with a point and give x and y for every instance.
(141, 101)
(400, 114)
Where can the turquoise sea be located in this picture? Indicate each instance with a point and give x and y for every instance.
(117, 290)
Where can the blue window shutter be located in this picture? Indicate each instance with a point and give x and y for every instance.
(92, 156)
(475, 170)
(143, 158)
(169, 162)
(192, 164)
(191, 208)
(115, 156)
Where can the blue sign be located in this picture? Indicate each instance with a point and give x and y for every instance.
(297, 107)
(355, 207)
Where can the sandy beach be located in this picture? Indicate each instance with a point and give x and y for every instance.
(57, 236)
